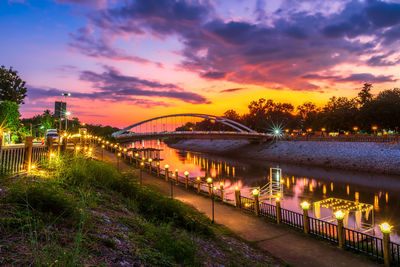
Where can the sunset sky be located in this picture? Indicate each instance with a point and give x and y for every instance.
(126, 61)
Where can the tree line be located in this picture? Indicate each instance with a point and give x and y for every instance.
(339, 114)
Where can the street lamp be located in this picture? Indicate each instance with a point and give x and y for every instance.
(374, 128)
(65, 95)
(211, 189)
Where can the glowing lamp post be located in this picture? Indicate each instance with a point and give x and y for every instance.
(77, 148)
(136, 159)
(221, 188)
(198, 180)
(158, 169)
(186, 180)
(374, 128)
(339, 215)
(102, 152)
(125, 153)
(118, 156)
(166, 172)
(141, 172)
(256, 194)
(211, 192)
(176, 177)
(355, 129)
(305, 206)
(386, 229)
(210, 184)
(150, 161)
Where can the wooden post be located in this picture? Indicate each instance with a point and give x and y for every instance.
(238, 202)
(305, 221)
(130, 159)
(176, 177)
(278, 211)
(221, 188)
(386, 249)
(198, 186)
(28, 153)
(210, 190)
(166, 174)
(158, 169)
(49, 145)
(186, 180)
(256, 205)
(340, 233)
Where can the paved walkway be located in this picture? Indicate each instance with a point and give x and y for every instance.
(287, 244)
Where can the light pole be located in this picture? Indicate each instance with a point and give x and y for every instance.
(102, 152)
(210, 184)
(65, 95)
(118, 155)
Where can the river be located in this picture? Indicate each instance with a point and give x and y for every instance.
(377, 195)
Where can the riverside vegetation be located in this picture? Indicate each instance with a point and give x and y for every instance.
(77, 211)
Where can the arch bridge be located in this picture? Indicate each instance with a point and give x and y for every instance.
(166, 126)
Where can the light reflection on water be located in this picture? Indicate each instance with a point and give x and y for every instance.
(298, 182)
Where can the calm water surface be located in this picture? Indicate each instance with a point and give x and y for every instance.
(298, 183)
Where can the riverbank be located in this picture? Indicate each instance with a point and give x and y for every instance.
(357, 156)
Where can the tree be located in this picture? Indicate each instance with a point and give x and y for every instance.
(383, 111)
(365, 96)
(12, 87)
(232, 115)
(9, 116)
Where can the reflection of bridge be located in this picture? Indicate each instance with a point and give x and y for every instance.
(165, 127)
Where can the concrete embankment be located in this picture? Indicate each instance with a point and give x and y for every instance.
(357, 156)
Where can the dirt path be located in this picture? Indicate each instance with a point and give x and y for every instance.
(287, 244)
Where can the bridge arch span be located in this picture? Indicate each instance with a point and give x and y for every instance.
(231, 123)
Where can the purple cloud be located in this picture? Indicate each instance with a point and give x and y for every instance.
(231, 90)
(277, 54)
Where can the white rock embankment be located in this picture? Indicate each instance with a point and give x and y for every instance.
(372, 157)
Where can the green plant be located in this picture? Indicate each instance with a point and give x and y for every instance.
(43, 196)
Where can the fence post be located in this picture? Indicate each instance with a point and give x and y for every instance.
(158, 168)
(221, 188)
(28, 153)
(256, 202)
(278, 210)
(50, 146)
(198, 179)
(386, 229)
(238, 203)
(166, 173)
(150, 167)
(340, 229)
(176, 177)
(186, 180)
(305, 206)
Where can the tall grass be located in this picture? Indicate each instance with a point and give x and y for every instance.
(151, 204)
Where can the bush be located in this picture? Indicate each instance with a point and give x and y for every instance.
(43, 196)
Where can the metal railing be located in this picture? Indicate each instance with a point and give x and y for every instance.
(292, 218)
(323, 229)
(365, 243)
(344, 138)
(353, 240)
(395, 252)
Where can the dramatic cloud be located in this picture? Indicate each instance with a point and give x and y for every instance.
(112, 86)
(278, 50)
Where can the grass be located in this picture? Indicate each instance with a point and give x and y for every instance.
(80, 211)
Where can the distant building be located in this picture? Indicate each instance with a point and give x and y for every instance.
(59, 109)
